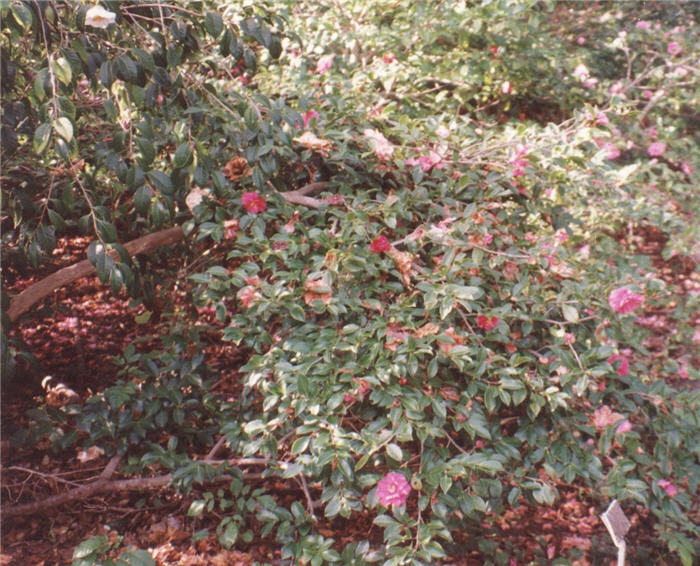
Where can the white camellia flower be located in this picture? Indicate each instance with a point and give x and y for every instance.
(98, 17)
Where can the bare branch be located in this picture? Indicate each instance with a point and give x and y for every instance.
(300, 195)
(23, 301)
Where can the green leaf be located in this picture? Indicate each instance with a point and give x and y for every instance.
(465, 292)
(64, 128)
(300, 444)
(230, 535)
(362, 462)
(22, 14)
(385, 521)
(57, 220)
(42, 136)
(66, 107)
(41, 82)
(116, 279)
(138, 557)
(143, 318)
(62, 70)
(161, 181)
(107, 74)
(570, 313)
(183, 155)
(126, 68)
(159, 213)
(297, 312)
(91, 546)
(196, 508)
(213, 24)
(394, 452)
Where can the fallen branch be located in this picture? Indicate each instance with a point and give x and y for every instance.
(105, 484)
(21, 303)
(300, 196)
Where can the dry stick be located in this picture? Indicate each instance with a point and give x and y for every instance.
(22, 302)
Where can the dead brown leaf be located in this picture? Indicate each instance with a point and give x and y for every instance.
(236, 168)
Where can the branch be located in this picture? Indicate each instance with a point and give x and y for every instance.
(22, 302)
(105, 484)
(84, 491)
(300, 195)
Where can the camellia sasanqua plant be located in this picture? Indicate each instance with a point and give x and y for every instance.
(437, 331)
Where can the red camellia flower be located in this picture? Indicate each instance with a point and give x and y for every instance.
(393, 489)
(253, 202)
(380, 244)
(486, 323)
(624, 301)
(624, 367)
(308, 116)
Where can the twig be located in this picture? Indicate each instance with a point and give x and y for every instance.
(215, 449)
(309, 501)
(47, 477)
(496, 252)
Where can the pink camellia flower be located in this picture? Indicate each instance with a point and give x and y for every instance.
(624, 367)
(248, 295)
(673, 48)
(486, 323)
(623, 427)
(442, 131)
(308, 116)
(656, 149)
(647, 94)
(427, 162)
(253, 202)
(601, 119)
(624, 301)
(580, 40)
(643, 25)
(687, 168)
(617, 88)
(605, 416)
(388, 58)
(324, 63)
(581, 72)
(383, 148)
(393, 489)
(380, 244)
(590, 83)
(611, 150)
(668, 487)
(519, 161)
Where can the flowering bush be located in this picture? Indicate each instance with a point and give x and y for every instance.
(413, 257)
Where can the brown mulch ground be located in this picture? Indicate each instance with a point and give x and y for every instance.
(81, 328)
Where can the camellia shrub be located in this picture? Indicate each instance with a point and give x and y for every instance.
(440, 325)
